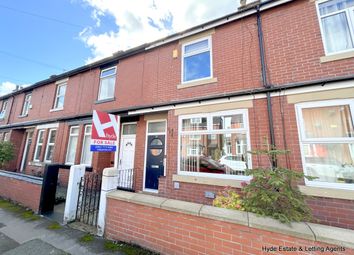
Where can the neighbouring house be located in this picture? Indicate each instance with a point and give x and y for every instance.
(192, 104)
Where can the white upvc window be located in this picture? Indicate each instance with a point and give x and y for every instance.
(39, 145)
(336, 19)
(3, 109)
(86, 154)
(26, 104)
(327, 142)
(197, 60)
(107, 83)
(205, 141)
(60, 96)
(72, 145)
(50, 145)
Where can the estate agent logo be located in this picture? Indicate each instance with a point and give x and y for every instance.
(105, 132)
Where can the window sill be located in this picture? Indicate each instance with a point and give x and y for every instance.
(56, 109)
(338, 56)
(105, 100)
(36, 163)
(23, 116)
(197, 83)
(207, 180)
(327, 192)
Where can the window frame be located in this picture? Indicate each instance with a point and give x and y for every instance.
(49, 144)
(41, 131)
(67, 147)
(210, 131)
(198, 52)
(3, 111)
(350, 19)
(83, 143)
(26, 104)
(303, 140)
(56, 100)
(105, 77)
(6, 136)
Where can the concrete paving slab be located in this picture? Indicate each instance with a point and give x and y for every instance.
(7, 243)
(35, 247)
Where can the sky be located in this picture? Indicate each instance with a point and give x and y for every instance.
(40, 38)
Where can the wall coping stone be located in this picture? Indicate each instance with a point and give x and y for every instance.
(304, 230)
(22, 177)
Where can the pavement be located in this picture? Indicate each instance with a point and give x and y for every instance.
(20, 236)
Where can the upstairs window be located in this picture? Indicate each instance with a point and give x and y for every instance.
(107, 83)
(39, 146)
(196, 60)
(3, 109)
(50, 145)
(60, 96)
(26, 104)
(337, 25)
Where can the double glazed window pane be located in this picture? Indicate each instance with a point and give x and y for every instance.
(86, 153)
(328, 122)
(330, 162)
(129, 129)
(107, 88)
(228, 122)
(194, 124)
(337, 32)
(196, 66)
(214, 153)
(72, 145)
(335, 5)
(157, 127)
(60, 96)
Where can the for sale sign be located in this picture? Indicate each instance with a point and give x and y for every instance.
(105, 130)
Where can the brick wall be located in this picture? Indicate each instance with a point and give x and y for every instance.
(177, 233)
(20, 191)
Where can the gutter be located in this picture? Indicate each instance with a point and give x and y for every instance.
(172, 104)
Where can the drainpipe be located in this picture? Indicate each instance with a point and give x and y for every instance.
(265, 84)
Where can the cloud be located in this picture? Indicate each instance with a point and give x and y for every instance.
(140, 21)
(7, 87)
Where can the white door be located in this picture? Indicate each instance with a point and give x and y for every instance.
(126, 162)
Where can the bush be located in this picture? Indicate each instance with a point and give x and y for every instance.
(229, 199)
(271, 192)
(6, 153)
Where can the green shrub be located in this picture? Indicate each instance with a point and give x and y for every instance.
(6, 153)
(229, 199)
(271, 192)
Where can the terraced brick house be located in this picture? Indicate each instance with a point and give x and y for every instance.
(192, 104)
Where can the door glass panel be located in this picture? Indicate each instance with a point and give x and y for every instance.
(129, 129)
(155, 152)
(156, 141)
(157, 127)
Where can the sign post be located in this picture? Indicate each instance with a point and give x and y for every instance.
(105, 132)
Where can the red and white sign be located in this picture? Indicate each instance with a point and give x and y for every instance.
(105, 131)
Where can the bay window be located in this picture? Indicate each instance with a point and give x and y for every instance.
(337, 25)
(327, 142)
(215, 144)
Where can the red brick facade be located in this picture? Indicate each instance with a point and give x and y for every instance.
(293, 50)
(178, 233)
(22, 192)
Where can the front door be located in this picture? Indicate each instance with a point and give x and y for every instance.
(126, 156)
(155, 155)
(26, 149)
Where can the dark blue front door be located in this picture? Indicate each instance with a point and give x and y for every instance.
(155, 155)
